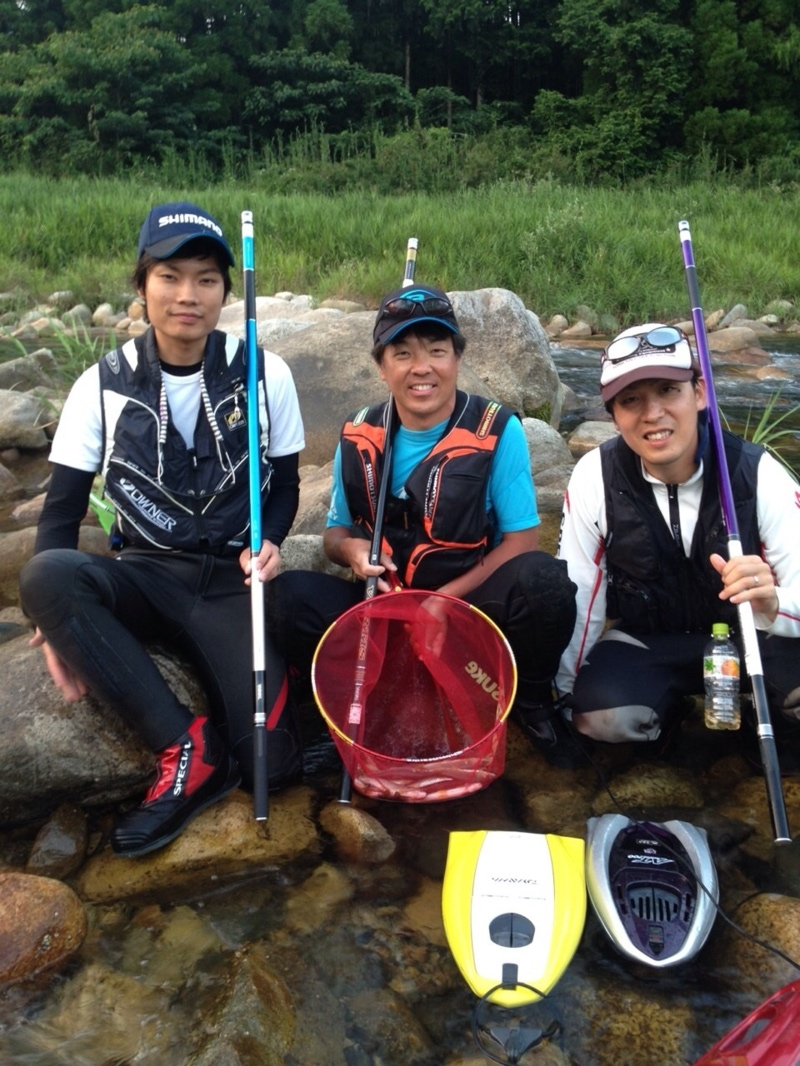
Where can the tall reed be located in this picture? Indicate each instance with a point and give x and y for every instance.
(556, 246)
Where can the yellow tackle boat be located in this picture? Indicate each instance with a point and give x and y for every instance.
(514, 907)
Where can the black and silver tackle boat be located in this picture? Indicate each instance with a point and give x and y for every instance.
(653, 886)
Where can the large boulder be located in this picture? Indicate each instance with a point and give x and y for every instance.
(222, 841)
(22, 421)
(52, 751)
(551, 464)
(510, 352)
(28, 371)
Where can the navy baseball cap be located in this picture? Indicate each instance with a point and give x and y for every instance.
(169, 226)
(406, 307)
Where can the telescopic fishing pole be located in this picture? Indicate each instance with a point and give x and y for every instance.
(260, 788)
(411, 262)
(356, 704)
(752, 652)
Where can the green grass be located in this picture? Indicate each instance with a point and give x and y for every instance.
(775, 429)
(556, 246)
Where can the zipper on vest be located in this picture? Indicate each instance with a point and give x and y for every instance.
(192, 454)
(675, 518)
(197, 510)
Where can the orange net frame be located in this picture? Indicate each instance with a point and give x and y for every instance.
(415, 688)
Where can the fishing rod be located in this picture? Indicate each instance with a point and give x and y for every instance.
(752, 652)
(356, 711)
(260, 784)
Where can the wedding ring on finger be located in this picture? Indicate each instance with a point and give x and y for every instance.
(755, 580)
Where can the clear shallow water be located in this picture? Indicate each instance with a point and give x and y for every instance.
(364, 974)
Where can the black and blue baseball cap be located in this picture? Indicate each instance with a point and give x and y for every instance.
(406, 307)
(169, 226)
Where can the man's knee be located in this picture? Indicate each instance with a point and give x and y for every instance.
(618, 725)
(791, 704)
(546, 584)
(289, 596)
(42, 576)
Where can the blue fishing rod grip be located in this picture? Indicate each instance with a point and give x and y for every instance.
(251, 359)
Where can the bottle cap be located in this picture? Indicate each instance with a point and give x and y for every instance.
(719, 629)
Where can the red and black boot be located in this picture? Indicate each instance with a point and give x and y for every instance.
(192, 773)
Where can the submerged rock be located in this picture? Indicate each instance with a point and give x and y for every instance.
(42, 925)
(222, 841)
(60, 845)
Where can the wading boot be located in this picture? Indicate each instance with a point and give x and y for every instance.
(546, 728)
(192, 773)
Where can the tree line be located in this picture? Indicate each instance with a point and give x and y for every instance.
(606, 89)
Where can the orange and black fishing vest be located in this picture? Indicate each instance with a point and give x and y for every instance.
(441, 528)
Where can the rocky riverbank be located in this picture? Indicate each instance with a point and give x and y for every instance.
(317, 938)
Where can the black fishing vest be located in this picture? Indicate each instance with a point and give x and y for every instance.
(166, 495)
(441, 529)
(652, 586)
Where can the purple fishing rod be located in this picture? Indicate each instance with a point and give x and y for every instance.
(747, 626)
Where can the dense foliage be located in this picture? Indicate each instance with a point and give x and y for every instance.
(586, 89)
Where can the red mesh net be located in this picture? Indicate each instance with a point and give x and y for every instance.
(416, 687)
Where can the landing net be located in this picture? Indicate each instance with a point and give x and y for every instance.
(415, 688)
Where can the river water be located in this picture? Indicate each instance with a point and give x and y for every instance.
(365, 952)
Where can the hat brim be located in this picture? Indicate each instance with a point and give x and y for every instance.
(643, 373)
(168, 247)
(391, 332)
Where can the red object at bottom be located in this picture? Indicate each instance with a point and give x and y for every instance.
(770, 1036)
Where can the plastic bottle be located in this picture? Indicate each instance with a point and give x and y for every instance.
(721, 676)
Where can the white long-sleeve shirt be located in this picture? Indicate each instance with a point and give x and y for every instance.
(584, 529)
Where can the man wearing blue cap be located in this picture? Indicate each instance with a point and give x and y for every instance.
(461, 514)
(164, 419)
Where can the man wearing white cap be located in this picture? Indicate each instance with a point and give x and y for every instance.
(644, 539)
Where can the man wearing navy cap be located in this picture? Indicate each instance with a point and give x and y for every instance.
(164, 419)
(461, 514)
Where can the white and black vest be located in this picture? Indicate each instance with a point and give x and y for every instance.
(167, 495)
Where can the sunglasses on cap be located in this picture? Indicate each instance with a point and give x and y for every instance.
(406, 306)
(660, 337)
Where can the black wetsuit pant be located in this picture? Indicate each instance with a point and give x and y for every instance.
(98, 613)
(530, 598)
(638, 681)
